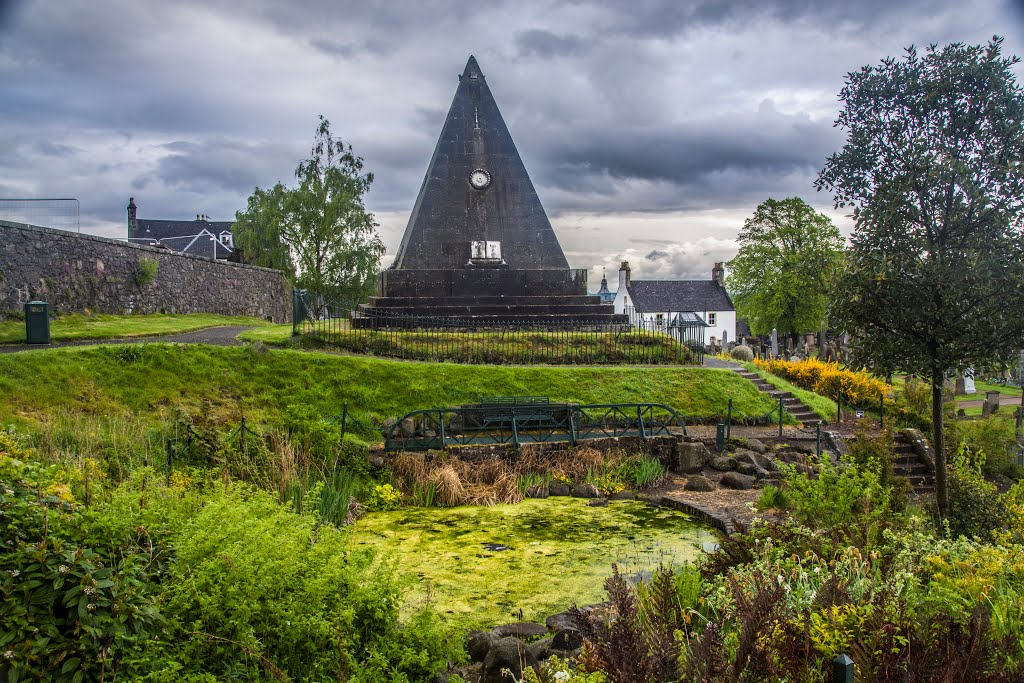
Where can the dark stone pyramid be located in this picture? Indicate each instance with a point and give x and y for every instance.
(478, 243)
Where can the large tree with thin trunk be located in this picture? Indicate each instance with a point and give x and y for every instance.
(788, 255)
(932, 167)
(321, 228)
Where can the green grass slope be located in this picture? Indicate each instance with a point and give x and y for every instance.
(79, 327)
(148, 381)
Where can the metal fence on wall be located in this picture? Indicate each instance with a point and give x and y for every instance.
(474, 340)
(61, 214)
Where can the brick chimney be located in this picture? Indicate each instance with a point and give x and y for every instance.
(623, 275)
(133, 223)
(718, 273)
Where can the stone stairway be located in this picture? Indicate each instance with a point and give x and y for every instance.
(909, 464)
(791, 403)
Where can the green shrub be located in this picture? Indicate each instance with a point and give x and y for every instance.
(643, 472)
(917, 395)
(995, 436)
(383, 497)
(875, 453)
(71, 608)
(744, 354)
(772, 498)
(257, 593)
(975, 507)
(145, 271)
(844, 498)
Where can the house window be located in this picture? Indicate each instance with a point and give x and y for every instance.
(712, 318)
(659, 320)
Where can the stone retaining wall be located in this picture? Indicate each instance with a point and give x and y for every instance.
(76, 272)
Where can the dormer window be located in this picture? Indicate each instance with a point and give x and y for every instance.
(227, 239)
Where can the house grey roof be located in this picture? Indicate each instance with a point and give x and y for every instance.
(658, 296)
(161, 229)
(201, 244)
(450, 212)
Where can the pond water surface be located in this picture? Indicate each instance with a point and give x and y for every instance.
(479, 566)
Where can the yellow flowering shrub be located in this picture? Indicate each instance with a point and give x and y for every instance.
(828, 379)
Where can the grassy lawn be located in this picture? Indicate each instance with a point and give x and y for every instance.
(78, 327)
(825, 407)
(277, 335)
(146, 384)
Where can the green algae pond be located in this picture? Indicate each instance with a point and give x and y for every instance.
(479, 566)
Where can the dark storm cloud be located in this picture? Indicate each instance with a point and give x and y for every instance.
(619, 107)
(539, 43)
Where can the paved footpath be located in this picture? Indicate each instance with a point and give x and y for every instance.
(217, 336)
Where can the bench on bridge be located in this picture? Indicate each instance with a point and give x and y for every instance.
(530, 412)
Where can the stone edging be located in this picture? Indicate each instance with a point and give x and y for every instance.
(720, 522)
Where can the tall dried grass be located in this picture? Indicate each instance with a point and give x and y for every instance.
(455, 481)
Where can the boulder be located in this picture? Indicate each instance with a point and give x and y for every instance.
(408, 427)
(520, 629)
(557, 488)
(585, 491)
(723, 463)
(567, 639)
(376, 462)
(624, 494)
(735, 480)
(699, 483)
(757, 446)
(561, 621)
(478, 644)
(747, 468)
(598, 503)
(506, 654)
(691, 456)
(541, 649)
(537, 492)
(756, 459)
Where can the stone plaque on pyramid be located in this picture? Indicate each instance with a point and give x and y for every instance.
(478, 243)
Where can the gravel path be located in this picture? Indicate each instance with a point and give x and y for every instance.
(217, 336)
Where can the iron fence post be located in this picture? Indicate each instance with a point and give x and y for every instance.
(728, 421)
(780, 416)
(344, 419)
(720, 437)
(640, 421)
(572, 428)
(839, 407)
(515, 430)
(842, 669)
(440, 426)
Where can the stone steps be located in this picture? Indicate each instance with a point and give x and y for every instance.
(790, 403)
(908, 465)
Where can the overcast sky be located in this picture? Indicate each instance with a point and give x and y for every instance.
(651, 128)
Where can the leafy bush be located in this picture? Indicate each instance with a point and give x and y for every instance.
(845, 499)
(643, 471)
(975, 507)
(383, 497)
(70, 609)
(828, 379)
(145, 271)
(995, 436)
(772, 498)
(257, 592)
(744, 354)
(917, 394)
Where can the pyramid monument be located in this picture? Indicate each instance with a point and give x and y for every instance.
(479, 244)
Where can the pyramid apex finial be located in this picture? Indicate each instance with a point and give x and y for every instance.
(472, 69)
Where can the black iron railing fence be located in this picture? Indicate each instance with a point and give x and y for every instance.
(551, 340)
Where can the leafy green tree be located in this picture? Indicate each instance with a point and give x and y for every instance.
(932, 168)
(257, 231)
(321, 226)
(788, 255)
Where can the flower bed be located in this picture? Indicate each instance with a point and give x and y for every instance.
(828, 379)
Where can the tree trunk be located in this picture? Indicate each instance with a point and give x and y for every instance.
(938, 439)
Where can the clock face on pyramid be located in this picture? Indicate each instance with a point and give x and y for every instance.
(479, 178)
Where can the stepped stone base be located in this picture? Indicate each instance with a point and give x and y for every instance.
(486, 297)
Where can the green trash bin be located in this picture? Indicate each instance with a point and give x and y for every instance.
(37, 322)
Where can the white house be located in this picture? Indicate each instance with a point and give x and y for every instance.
(660, 302)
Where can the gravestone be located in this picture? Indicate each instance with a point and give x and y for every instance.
(775, 343)
(479, 246)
